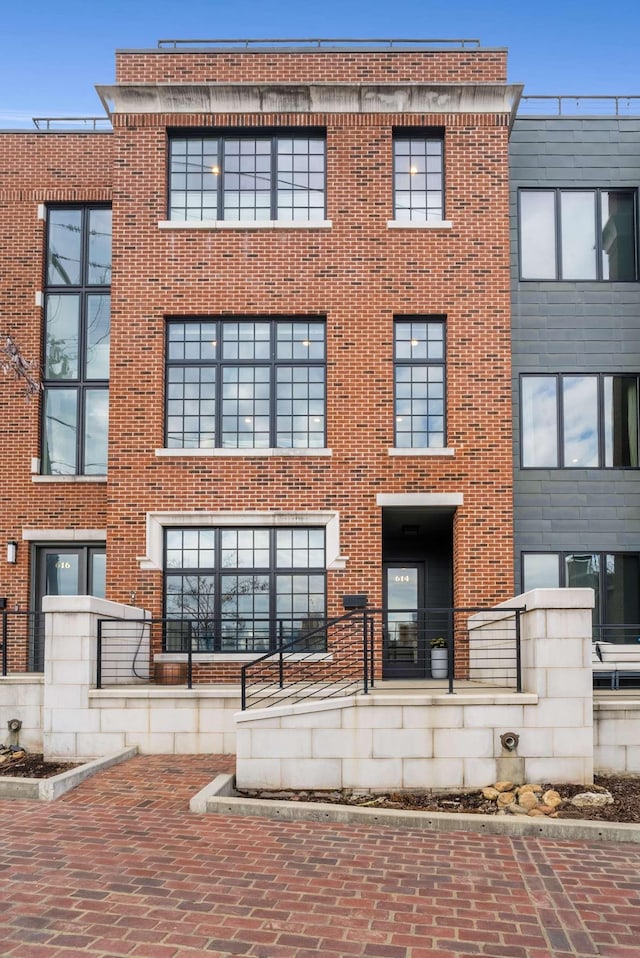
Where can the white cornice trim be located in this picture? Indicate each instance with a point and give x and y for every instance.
(433, 98)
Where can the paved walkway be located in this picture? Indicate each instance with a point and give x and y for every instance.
(119, 868)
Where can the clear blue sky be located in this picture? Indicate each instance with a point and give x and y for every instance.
(53, 53)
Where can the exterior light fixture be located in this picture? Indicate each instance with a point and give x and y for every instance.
(12, 551)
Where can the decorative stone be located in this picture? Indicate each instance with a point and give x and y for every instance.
(592, 799)
(552, 798)
(536, 813)
(516, 809)
(527, 800)
(490, 792)
(537, 789)
(546, 809)
(506, 798)
(503, 786)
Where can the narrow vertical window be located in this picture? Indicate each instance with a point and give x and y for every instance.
(419, 346)
(76, 341)
(418, 178)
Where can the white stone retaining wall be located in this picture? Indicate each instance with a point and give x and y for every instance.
(443, 741)
(21, 698)
(617, 734)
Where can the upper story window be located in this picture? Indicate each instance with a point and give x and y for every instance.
(580, 421)
(245, 384)
(419, 379)
(76, 341)
(248, 178)
(418, 177)
(578, 235)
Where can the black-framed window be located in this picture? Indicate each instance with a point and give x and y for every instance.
(244, 589)
(245, 384)
(614, 577)
(419, 382)
(76, 340)
(418, 177)
(578, 234)
(580, 421)
(248, 177)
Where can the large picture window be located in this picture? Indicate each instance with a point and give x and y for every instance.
(580, 421)
(245, 384)
(578, 235)
(247, 178)
(419, 374)
(244, 589)
(76, 341)
(614, 577)
(418, 177)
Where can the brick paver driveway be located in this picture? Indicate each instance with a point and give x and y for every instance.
(119, 867)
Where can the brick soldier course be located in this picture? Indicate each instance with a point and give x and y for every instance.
(119, 868)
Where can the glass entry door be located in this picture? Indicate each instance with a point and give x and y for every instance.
(404, 652)
(62, 570)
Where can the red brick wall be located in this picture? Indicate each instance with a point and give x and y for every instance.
(232, 66)
(37, 168)
(358, 274)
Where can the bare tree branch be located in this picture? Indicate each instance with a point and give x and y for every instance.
(23, 370)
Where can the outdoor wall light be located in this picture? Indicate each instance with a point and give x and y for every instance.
(12, 551)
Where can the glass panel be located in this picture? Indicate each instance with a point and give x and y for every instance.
(300, 610)
(578, 235)
(246, 407)
(539, 434)
(62, 573)
(97, 574)
(194, 174)
(418, 179)
(64, 246)
(537, 234)
(402, 614)
(621, 421)
(622, 590)
(582, 571)
(618, 236)
(245, 613)
(580, 421)
(540, 571)
(60, 431)
(99, 265)
(96, 432)
(62, 337)
(98, 332)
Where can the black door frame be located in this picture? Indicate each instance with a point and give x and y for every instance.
(405, 668)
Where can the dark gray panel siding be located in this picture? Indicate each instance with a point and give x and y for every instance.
(564, 327)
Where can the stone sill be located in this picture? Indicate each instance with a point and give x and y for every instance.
(443, 451)
(245, 224)
(72, 479)
(217, 453)
(420, 225)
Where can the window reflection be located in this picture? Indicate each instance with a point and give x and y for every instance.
(580, 420)
(539, 434)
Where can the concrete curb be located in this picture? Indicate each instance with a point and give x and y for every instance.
(48, 789)
(220, 800)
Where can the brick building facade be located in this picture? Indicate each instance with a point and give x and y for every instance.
(309, 383)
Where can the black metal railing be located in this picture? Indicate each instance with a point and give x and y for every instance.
(482, 646)
(323, 43)
(580, 105)
(21, 641)
(334, 659)
(124, 650)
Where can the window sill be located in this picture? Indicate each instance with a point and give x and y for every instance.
(255, 453)
(204, 657)
(441, 451)
(419, 225)
(244, 225)
(72, 479)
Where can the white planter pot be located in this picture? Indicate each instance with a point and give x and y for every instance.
(439, 664)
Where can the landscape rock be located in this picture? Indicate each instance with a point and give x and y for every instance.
(503, 786)
(552, 798)
(592, 799)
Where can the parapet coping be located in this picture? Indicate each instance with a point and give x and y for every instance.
(220, 798)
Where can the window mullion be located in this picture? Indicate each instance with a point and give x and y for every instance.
(220, 183)
(273, 179)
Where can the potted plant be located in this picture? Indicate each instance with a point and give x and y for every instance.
(439, 652)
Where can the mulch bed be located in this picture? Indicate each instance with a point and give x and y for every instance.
(625, 791)
(32, 765)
